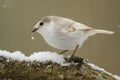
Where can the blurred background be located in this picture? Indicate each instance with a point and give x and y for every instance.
(17, 18)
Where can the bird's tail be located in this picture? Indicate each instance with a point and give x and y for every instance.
(92, 32)
(103, 31)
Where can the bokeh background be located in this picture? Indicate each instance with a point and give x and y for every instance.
(17, 17)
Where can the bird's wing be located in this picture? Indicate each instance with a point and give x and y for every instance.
(74, 27)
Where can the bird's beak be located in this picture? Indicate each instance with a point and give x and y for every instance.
(35, 29)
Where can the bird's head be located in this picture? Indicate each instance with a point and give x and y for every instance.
(42, 23)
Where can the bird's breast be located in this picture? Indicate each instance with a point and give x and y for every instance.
(60, 41)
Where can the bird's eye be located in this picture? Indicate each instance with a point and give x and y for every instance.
(41, 23)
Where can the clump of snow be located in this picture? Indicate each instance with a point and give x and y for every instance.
(65, 64)
(46, 56)
(32, 38)
(116, 77)
(17, 55)
(38, 56)
(103, 70)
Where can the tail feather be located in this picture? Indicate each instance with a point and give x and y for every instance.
(103, 31)
(92, 32)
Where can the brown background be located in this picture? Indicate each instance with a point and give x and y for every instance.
(17, 18)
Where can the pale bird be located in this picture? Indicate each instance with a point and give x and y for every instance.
(65, 34)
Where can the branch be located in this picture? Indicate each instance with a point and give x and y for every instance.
(32, 70)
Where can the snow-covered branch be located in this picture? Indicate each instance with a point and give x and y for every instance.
(48, 66)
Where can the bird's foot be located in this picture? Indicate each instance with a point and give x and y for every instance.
(63, 52)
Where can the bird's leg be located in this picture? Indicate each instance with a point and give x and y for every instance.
(74, 52)
(63, 52)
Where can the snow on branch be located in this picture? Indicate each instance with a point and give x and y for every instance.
(36, 56)
(80, 70)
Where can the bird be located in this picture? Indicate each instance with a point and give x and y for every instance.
(65, 34)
